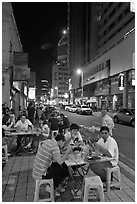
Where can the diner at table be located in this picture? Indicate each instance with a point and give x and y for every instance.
(73, 136)
(7, 124)
(106, 146)
(49, 163)
(68, 156)
(24, 124)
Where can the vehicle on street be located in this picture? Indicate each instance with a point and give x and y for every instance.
(73, 109)
(83, 109)
(125, 115)
(67, 107)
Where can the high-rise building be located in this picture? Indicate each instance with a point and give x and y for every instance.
(102, 45)
(60, 71)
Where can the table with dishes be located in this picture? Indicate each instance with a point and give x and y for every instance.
(78, 164)
(22, 135)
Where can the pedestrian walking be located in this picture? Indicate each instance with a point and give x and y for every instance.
(107, 121)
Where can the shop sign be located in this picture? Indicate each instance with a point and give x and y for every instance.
(121, 81)
(32, 93)
(25, 90)
(132, 7)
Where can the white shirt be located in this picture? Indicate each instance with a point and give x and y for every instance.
(111, 146)
(108, 121)
(23, 126)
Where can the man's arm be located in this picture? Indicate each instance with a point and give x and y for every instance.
(103, 150)
(57, 156)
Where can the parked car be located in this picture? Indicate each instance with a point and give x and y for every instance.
(73, 109)
(83, 109)
(67, 107)
(125, 115)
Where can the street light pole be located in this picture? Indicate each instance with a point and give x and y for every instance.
(79, 71)
(82, 84)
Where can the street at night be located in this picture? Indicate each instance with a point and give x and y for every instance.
(68, 101)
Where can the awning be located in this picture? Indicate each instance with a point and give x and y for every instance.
(92, 100)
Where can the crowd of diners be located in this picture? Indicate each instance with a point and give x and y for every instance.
(57, 137)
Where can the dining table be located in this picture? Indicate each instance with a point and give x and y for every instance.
(22, 135)
(78, 165)
(78, 168)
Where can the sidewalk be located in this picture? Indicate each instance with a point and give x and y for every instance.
(18, 184)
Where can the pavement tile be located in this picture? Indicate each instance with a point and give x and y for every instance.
(7, 199)
(24, 186)
(116, 200)
(123, 196)
(20, 199)
(30, 198)
(131, 184)
(18, 182)
(22, 180)
(126, 199)
(111, 195)
(21, 192)
(129, 191)
(9, 193)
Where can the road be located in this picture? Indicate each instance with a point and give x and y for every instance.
(124, 135)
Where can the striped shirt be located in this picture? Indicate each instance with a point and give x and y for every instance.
(44, 157)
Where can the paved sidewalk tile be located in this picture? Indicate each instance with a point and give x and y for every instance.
(19, 186)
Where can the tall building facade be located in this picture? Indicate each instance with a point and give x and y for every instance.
(60, 71)
(102, 44)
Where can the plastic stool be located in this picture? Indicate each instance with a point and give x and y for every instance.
(5, 157)
(37, 188)
(95, 183)
(109, 183)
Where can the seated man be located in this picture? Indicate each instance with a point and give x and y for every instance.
(74, 136)
(49, 163)
(108, 147)
(7, 124)
(53, 124)
(23, 125)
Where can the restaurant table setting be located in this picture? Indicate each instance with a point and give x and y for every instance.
(22, 135)
(78, 162)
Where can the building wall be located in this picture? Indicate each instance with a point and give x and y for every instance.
(110, 54)
(10, 42)
(121, 59)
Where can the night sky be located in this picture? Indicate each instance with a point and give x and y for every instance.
(40, 27)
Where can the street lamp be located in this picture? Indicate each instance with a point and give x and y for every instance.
(56, 88)
(79, 71)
